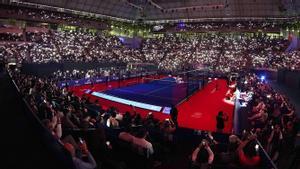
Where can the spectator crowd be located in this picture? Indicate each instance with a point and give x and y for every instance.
(273, 121)
(169, 52)
(274, 126)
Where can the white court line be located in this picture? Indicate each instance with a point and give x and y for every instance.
(128, 102)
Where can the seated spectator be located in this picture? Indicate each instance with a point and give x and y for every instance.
(168, 128)
(54, 127)
(150, 121)
(202, 156)
(137, 120)
(126, 135)
(127, 119)
(78, 162)
(140, 140)
(86, 121)
(112, 121)
(119, 116)
(69, 118)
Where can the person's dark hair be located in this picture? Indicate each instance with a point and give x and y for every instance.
(249, 149)
(220, 113)
(137, 119)
(127, 114)
(166, 124)
(127, 129)
(113, 114)
(202, 156)
(142, 133)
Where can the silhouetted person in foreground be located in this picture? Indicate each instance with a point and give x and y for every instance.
(174, 114)
(221, 118)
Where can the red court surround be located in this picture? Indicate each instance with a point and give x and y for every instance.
(198, 112)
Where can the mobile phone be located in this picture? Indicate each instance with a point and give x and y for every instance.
(80, 140)
(107, 143)
(256, 147)
(203, 143)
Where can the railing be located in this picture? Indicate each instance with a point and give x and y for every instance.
(266, 160)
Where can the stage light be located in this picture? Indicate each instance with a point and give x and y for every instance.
(262, 78)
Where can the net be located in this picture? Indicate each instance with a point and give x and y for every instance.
(183, 88)
(164, 90)
(194, 79)
(164, 81)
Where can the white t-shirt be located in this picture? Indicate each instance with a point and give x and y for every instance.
(143, 143)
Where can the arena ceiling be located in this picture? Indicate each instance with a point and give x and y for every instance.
(159, 10)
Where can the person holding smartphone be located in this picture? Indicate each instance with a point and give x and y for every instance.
(202, 156)
(78, 162)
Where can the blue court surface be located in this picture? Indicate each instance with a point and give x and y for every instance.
(163, 92)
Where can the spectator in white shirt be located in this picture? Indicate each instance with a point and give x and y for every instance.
(79, 163)
(141, 141)
(126, 135)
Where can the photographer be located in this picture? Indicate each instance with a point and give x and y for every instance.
(202, 156)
